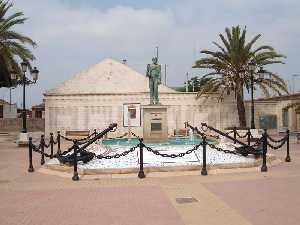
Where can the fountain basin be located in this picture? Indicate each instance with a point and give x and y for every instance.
(170, 141)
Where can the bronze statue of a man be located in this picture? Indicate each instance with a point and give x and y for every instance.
(154, 74)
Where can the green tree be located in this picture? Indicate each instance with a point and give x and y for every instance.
(12, 43)
(229, 72)
(195, 84)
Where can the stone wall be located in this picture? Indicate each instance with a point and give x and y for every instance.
(15, 125)
(88, 112)
(268, 108)
(9, 111)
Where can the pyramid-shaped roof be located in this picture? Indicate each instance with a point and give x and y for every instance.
(107, 77)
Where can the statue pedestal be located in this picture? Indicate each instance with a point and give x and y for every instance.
(22, 140)
(155, 123)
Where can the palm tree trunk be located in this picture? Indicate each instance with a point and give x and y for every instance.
(241, 108)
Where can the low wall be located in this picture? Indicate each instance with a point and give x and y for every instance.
(33, 124)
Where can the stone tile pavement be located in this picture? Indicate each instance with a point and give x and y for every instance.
(237, 198)
(115, 205)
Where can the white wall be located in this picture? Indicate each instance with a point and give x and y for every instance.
(88, 112)
(10, 111)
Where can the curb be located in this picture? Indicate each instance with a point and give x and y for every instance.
(159, 171)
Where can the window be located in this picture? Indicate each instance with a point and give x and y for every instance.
(285, 118)
(38, 114)
(298, 118)
(268, 122)
(1, 111)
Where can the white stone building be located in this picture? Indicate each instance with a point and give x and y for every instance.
(8, 111)
(278, 107)
(96, 97)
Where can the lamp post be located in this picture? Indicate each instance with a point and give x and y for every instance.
(23, 80)
(261, 73)
(293, 81)
(187, 82)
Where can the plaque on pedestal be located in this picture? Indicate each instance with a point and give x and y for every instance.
(155, 123)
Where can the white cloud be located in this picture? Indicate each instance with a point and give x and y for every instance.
(72, 38)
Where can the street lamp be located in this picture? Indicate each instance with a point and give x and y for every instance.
(261, 74)
(23, 80)
(293, 81)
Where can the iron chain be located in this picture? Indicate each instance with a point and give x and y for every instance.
(222, 150)
(205, 134)
(257, 143)
(156, 152)
(47, 145)
(135, 135)
(35, 149)
(241, 136)
(278, 146)
(118, 155)
(229, 132)
(277, 141)
(82, 139)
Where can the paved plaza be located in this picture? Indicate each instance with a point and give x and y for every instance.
(232, 197)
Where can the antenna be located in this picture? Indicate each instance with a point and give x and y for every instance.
(165, 74)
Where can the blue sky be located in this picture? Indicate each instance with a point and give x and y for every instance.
(75, 34)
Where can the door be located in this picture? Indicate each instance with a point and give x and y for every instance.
(298, 121)
(1, 111)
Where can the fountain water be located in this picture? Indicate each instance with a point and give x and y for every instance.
(129, 128)
(191, 135)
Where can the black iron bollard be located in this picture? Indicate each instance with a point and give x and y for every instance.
(234, 135)
(288, 158)
(141, 171)
(95, 132)
(264, 167)
(75, 173)
(249, 136)
(204, 170)
(42, 150)
(58, 143)
(51, 145)
(30, 168)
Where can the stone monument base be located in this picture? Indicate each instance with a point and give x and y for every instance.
(22, 140)
(155, 123)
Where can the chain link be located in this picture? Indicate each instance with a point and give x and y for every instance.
(277, 141)
(229, 132)
(47, 145)
(222, 150)
(257, 143)
(35, 149)
(278, 146)
(205, 134)
(156, 152)
(82, 139)
(135, 135)
(241, 136)
(118, 155)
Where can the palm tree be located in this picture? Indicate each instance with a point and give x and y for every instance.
(12, 43)
(196, 83)
(228, 68)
